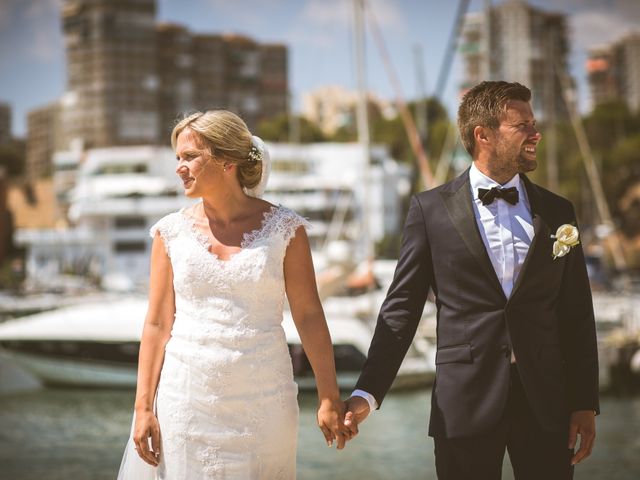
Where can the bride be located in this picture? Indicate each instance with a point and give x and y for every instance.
(215, 394)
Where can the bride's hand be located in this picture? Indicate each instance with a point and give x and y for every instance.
(147, 426)
(331, 422)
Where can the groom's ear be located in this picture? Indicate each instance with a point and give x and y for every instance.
(481, 135)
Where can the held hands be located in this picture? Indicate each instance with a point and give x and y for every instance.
(331, 422)
(583, 423)
(147, 426)
(357, 411)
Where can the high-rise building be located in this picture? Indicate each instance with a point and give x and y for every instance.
(332, 107)
(600, 69)
(175, 66)
(191, 70)
(614, 72)
(111, 96)
(516, 42)
(5, 123)
(43, 139)
(273, 86)
(129, 78)
(206, 71)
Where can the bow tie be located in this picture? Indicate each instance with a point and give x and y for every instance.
(508, 194)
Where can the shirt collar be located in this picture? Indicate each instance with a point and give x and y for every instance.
(478, 179)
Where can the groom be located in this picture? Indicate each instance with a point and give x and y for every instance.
(516, 366)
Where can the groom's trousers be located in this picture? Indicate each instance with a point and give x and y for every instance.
(535, 454)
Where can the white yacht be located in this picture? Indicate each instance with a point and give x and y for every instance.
(96, 345)
(111, 200)
(120, 192)
(112, 196)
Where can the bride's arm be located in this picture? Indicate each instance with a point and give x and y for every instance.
(156, 333)
(309, 319)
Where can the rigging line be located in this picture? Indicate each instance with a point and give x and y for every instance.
(452, 44)
(405, 115)
(446, 155)
(590, 166)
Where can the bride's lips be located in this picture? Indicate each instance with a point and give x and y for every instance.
(187, 181)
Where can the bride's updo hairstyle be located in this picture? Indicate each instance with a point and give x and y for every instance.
(226, 137)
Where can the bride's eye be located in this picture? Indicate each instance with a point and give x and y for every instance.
(186, 158)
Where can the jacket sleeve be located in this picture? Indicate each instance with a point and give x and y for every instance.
(402, 308)
(578, 333)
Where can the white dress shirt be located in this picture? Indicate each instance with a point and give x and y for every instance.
(506, 231)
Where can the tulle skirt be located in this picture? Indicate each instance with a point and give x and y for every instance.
(132, 466)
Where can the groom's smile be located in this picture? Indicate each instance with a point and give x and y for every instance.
(517, 138)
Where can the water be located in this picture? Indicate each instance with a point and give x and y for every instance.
(57, 434)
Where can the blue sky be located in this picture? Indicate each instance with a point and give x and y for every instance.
(318, 33)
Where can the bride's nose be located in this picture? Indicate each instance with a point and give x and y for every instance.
(181, 166)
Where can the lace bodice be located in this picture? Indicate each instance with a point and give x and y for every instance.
(199, 276)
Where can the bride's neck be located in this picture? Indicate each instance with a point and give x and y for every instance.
(224, 209)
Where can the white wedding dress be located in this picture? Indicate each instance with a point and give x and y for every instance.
(226, 399)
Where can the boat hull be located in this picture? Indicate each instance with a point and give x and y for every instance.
(114, 365)
(53, 371)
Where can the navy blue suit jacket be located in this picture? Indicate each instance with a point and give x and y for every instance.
(548, 320)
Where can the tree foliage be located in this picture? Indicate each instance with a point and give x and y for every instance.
(613, 133)
(286, 128)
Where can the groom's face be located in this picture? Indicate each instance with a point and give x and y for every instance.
(516, 139)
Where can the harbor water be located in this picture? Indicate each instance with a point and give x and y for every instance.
(57, 434)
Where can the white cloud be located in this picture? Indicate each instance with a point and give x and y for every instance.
(323, 13)
(597, 27)
(326, 23)
(43, 18)
(248, 14)
(8, 9)
(30, 31)
(627, 8)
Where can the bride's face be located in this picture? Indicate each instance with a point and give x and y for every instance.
(196, 167)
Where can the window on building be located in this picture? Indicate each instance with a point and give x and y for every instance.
(129, 247)
(130, 222)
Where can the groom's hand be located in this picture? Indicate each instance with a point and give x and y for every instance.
(583, 423)
(357, 411)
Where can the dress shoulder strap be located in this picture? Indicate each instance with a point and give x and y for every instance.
(168, 227)
(285, 223)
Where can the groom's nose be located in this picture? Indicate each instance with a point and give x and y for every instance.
(534, 134)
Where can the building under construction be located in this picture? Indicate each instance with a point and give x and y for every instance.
(205, 71)
(129, 78)
(614, 72)
(516, 42)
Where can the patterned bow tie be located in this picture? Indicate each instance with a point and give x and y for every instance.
(508, 194)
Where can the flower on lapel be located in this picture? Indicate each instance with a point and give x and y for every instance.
(567, 237)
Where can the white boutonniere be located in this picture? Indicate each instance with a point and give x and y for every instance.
(567, 237)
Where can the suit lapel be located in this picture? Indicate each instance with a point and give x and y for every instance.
(457, 200)
(540, 230)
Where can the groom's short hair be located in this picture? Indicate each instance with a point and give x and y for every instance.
(484, 105)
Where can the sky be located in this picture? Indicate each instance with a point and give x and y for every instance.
(319, 35)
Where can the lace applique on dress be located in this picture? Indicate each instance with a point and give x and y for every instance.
(279, 221)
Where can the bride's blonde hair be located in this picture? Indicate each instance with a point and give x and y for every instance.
(227, 139)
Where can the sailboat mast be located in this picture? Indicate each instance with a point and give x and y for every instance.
(362, 120)
(550, 120)
(486, 42)
(593, 175)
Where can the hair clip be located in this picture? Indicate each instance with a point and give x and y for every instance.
(254, 155)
